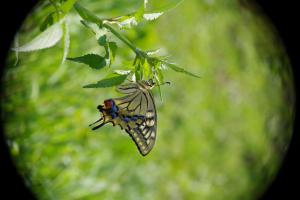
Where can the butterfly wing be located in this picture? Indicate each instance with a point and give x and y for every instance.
(142, 123)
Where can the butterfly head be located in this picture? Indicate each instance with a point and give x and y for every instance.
(109, 103)
(108, 107)
(149, 84)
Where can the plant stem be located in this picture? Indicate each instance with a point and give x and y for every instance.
(122, 38)
(89, 16)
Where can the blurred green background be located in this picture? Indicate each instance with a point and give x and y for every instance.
(219, 137)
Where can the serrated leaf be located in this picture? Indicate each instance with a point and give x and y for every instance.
(44, 40)
(178, 69)
(93, 60)
(109, 81)
(152, 16)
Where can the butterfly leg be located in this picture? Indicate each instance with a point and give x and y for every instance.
(99, 126)
(96, 121)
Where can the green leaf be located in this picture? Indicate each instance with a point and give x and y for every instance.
(112, 50)
(66, 7)
(162, 6)
(178, 69)
(160, 76)
(44, 40)
(93, 60)
(138, 72)
(147, 69)
(157, 83)
(139, 13)
(87, 15)
(16, 44)
(109, 81)
(102, 40)
(49, 20)
(58, 12)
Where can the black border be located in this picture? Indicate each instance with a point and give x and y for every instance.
(285, 17)
(13, 12)
(283, 14)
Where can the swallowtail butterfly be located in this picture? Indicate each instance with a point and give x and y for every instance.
(135, 113)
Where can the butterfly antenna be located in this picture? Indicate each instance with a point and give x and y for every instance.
(167, 82)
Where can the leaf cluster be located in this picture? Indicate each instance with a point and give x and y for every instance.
(146, 64)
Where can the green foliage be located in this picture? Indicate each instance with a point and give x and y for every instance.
(46, 39)
(109, 81)
(67, 5)
(92, 60)
(102, 40)
(50, 19)
(145, 66)
(112, 50)
(141, 70)
(58, 11)
(178, 69)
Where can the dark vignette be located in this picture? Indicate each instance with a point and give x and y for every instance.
(284, 17)
(13, 13)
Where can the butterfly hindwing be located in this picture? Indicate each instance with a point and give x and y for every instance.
(139, 103)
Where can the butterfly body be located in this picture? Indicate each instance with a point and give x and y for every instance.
(135, 113)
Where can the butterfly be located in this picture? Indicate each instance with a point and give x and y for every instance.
(135, 113)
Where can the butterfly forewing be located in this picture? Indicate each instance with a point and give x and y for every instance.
(128, 88)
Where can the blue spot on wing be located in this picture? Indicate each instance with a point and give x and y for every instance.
(133, 118)
(126, 119)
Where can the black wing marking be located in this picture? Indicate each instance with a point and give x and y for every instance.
(128, 88)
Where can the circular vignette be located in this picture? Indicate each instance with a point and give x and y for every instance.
(288, 167)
